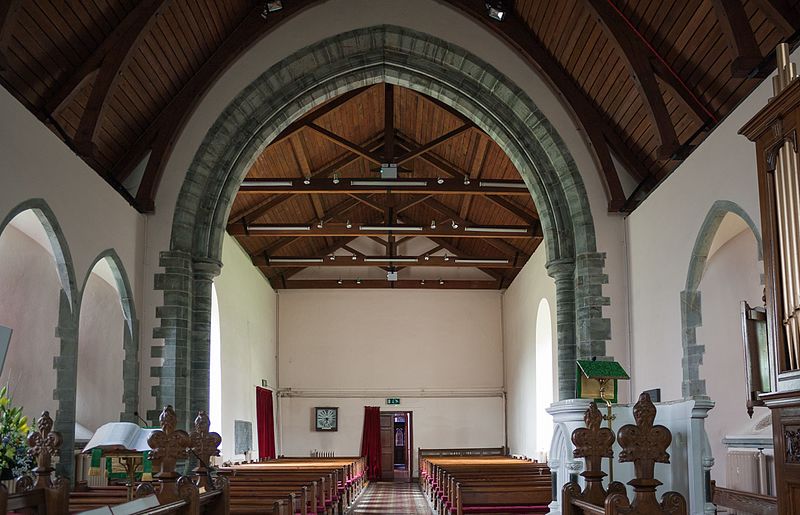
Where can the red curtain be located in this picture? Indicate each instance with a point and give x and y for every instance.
(266, 423)
(371, 441)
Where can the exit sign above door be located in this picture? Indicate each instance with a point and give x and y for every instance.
(393, 400)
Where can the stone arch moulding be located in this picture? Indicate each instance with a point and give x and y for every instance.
(323, 71)
(130, 336)
(691, 303)
(65, 363)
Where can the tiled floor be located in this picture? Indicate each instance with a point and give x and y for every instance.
(392, 498)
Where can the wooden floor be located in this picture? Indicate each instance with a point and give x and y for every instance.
(392, 498)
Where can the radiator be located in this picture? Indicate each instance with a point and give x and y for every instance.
(751, 471)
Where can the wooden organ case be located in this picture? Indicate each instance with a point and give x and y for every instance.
(774, 130)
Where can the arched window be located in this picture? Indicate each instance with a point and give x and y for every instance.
(544, 377)
(215, 392)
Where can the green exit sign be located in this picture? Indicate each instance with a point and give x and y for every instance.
(393, 400)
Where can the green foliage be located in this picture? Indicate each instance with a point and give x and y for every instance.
(14, 430)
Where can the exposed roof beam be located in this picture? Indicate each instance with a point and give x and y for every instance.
(447, 284)
(348, 186)
(781, 14)
(170, 121)
(456, 250)
(114, 62)
(479, 153)
(345, 143)
(740, 38)
(372, 229)
(383, 261)
(598, 132)
(285, 274)
(638, 65)
(268, 203)
(521, 212)
(9, 9)
(319, 112)
(408, 204)
(421, 149)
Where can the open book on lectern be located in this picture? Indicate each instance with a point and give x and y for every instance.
(120, 436)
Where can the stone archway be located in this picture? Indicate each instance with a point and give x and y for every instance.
(130, 336)
(325, 70)
(65, 363)
(691, 301)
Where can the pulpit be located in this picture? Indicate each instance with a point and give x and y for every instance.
(774, 130)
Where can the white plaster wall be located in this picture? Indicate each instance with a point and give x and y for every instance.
(429, 16)
(93, 217)
(397, 339)
(520, 306)
(247, 308)
(661, 235)
(100, 355)
(29, 292)
(732, 275)
(437, 423)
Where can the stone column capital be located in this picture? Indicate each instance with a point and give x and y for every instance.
(561, 269)
(206, 268)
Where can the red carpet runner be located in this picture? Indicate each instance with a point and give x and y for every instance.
(392, 499)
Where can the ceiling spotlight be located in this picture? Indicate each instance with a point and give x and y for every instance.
(427, 257)
(358, 281)
(335, 179)
(354, 257)
(332, 257)
(306, 180)
(348, 224)
(441, 282)
(454, 224)
(466, 180)
(422, 282)
(497, 9)
(433, 224)
(446, 257)
(320, 224)
(339, 282)
(439, 180)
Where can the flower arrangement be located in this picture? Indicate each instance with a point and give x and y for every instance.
(14, 458)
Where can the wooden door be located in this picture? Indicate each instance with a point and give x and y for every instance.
(387, 446)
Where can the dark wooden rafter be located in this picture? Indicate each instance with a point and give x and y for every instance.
(638, 64)
(347, 186)
(521, 212)
(600, 135)
(346, 144)
(411, 154)
(110, 70)
(781, 14)
(363, 260)
(365, 284)
(479, 153)
(170, 121)
(368, 228)
(9, 9)
(742, 42)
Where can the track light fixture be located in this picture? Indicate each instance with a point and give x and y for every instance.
(441, 282)
(354, 257)
(427, 257)
(335, 178)
(466, 180)
(320, 224)
(497, 9)
(306, 180)
(339, 282)
(422, 282)
(446, 257)
(439, 180)
(348, 224)
(358, 281)
(271, 6)
(433, 224)
(454, 224)
(332, 257)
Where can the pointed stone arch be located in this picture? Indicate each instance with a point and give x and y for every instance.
(130, 341)
(691, 302)
(323, 71)
(65, 363)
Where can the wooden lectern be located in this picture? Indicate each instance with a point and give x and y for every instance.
(775, 132)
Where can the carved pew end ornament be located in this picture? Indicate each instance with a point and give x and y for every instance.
(43, 443)
(644, 444)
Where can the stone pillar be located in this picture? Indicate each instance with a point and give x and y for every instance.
(700, 458)
(563, 272)
(66, 367)
(175, 321)
(691, 319)
(204, 272)
(130, 369)
(593, 330)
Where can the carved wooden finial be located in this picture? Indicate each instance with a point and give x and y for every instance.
(44, 443)
(644, 444)
(592, 443)
(204, 444)
(169, 444)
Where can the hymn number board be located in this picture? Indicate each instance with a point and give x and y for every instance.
(326, 419)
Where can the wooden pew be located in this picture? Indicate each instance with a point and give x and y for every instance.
(40, 493)
(306, 485)
(486, 484)
(644, 444)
